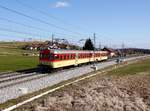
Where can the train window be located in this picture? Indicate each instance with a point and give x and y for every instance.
(64, 57)
(79, 56)
(60, 57)
(50, 56)
(56, 57)
(44, 56)
(88, 55)
(67, 56)
(73, 56)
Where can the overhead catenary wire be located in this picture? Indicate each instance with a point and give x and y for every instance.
(21, 32)
(38, 20)
(33, 27)
(24, 33)
(9, 37)
(49, 15)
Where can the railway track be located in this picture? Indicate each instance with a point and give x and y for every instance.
(52, 80)
(8, 74)
(20, 80)
(35, 81)
(13, 78)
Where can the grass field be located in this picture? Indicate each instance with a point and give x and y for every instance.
(13, 51)
(14, 63)
(13, 48)
(135, 68)
(12, 59)
(12, 44)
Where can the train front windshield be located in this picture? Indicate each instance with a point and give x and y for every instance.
(46, 56)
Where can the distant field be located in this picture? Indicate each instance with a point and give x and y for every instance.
(14, 63)
(12, 59)
(13, 48)
(141, 66)
(13, 51)
(13, 44)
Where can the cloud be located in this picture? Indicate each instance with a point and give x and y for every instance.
(61, 4)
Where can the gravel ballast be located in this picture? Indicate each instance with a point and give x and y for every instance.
(101, 93)
(35, 85)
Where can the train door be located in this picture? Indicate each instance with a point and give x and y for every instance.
(76, 58)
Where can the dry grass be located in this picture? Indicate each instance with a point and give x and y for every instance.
(100, 93)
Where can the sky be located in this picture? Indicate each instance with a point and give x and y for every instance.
(115, 22)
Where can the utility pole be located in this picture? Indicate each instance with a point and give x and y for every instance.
(52, 39)
(100, 46)
(123, 46)
(94, 65)
(94, 35)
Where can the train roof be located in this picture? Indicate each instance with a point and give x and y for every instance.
(59, 51)
(70, 51)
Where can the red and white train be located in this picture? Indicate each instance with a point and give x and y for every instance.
(55, 58)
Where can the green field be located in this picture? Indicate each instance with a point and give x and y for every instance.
(13, 48)
(13, 51)
(12, 59)
(14, 63)
(135, 68)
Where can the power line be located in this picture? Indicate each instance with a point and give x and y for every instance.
(14, 22)
(24, 33)
(32, 27)
(36, 19)
(20, 32)
(12, 36)
(48, 15)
